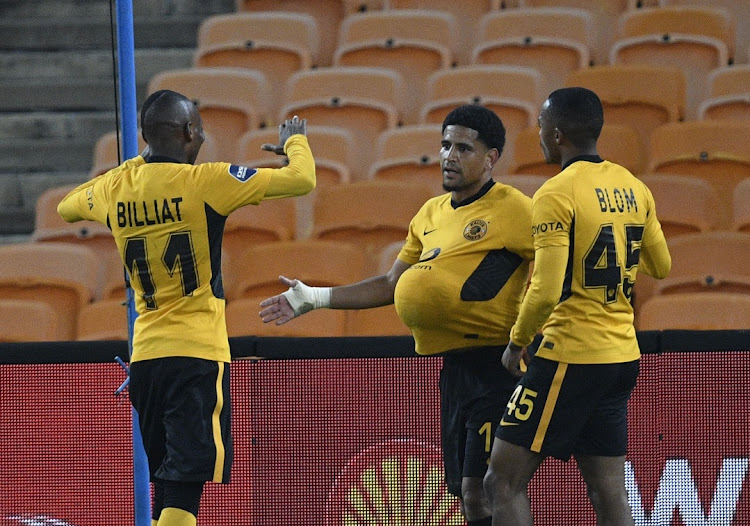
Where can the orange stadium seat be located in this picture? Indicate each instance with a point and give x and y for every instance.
(231, 101)
(367, 214)
(49, 226)
(729, 94)
(414, 43)
(684, 204)
(604, 13)
(467, 13)
(528, 184)
(554, 41)
(243, 320)
(27, 321)
(380, 321)
(274, 43)
(268, 221)
(64, 276)
(619, 144)
(113, 277)
(361, 6)
(695, 39)
(639, 96)
(696, 312)
(717, 151)
(106, 155)
(333, 149)
(409, 154)
(365, 101)
(741, 207)
(317, 263)
(513, 92)
(328, 15)
(708, 262)
(738, 9)
(103, 320)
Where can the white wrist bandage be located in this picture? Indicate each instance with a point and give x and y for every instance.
(303, 299)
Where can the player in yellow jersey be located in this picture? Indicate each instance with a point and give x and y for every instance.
(594, 228)
(457, 284)
(167, 217)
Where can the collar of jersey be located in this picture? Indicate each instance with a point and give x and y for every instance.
(589, 158)
(161, 159)
(480, 193)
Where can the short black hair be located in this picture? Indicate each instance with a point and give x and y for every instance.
(160, 112)
(485, 122)
(578, 113)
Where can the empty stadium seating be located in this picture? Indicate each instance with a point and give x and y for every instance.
(64, 276)
(27, 320)
(243, 320)
(414, 43)
(696, 311)
(409, 154)
(554, 41)
(275, 43)
(717, 151)
(729, 94)
(103, 320)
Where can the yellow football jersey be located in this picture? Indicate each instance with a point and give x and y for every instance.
(469, 269)
(604, 216)
(168, 220)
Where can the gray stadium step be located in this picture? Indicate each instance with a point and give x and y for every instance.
(60, 94)
(39, 155)
(93, 64)
(95, 33)
(84, 126)
(100, 8)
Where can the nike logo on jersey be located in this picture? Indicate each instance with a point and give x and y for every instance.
(429, 231)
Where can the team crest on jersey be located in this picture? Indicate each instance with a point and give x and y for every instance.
(241, 173)
(475, 230)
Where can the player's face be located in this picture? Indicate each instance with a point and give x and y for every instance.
(465, 161)
(547, 136)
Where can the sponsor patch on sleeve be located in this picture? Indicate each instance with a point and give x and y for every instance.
(241, 173)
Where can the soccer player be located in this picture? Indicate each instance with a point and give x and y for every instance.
(457, 284)
(594, 227)
(167, 217)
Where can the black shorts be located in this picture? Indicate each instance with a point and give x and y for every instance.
(184, 412)
(474, 387)
(561, 409)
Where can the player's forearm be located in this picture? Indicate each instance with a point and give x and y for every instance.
(372, 292)
(298, 178)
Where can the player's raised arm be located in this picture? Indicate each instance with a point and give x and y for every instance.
(298, 178)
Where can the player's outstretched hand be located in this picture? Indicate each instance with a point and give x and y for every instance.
(277, 308)
(512, 359)
(290, 127)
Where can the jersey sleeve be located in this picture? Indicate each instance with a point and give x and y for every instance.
(655, 260)
(90, 200)
(412, 249)
(551, 217)
(519, 238)
(227, 187)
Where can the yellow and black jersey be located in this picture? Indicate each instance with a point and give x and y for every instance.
(168, 219)
(469, 269)
(597, 218)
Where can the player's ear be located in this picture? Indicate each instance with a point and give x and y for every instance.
(559, 136)
(491, 158)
